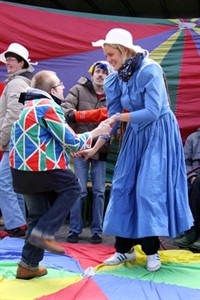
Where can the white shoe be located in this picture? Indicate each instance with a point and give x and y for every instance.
(153, 262)
(119, 258)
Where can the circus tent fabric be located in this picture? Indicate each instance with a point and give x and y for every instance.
(61, 41)
(80, 275)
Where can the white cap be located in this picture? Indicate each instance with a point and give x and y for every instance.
(118, 36)
(19, 50)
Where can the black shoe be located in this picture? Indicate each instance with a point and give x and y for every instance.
(196, 245)
(72, 237)
(187, 239)
(96, 239)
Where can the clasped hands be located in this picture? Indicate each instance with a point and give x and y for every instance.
(110, 121)
(105, 128)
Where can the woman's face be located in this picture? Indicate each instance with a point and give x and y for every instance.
(114, 57)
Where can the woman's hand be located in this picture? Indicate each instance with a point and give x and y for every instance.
(87, 153)
(103, 129)
(110, 121)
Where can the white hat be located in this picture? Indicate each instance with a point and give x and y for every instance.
(19, 50)
(118, 36)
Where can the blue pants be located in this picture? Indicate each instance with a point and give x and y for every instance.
(11, 204)
(46, 219)
(98, 176)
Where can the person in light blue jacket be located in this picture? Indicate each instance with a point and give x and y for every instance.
(149, 190)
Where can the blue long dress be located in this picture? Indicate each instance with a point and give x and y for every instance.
(149, 194)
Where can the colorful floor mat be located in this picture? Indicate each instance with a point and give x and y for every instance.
(80, 274)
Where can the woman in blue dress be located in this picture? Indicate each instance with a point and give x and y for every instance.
(149, 195)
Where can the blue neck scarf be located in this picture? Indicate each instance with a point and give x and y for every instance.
(130, 66)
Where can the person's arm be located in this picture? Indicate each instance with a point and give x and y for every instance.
(92, 115)
(62, 132)
(14, 108)
(1, 91)
(191, 153)
(151, 85)
(85, 116)
(188, 153)
(101, 130)
(113, 122)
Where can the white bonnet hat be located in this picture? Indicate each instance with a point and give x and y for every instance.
(118, 36)
(19, 50)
